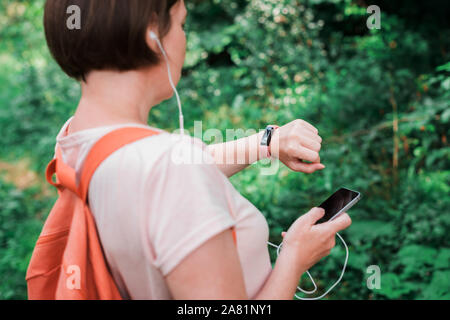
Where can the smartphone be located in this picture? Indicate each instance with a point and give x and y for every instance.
(338, 203)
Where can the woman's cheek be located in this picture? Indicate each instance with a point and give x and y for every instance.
(182, 51)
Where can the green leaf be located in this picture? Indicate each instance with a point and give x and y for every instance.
(438, 287)
(393, 287)
(369, 230)
(444, 67)
(442, 261)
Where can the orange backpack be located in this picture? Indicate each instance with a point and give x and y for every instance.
(68, 262)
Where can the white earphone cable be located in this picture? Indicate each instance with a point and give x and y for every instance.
(154, 37)
(309, 275)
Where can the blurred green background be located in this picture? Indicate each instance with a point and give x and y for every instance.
(380, 99)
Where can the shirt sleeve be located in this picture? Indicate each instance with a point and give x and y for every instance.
(188, 203)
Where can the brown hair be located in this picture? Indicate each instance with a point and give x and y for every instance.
(112, 34)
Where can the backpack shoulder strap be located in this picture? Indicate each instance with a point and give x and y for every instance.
(104, 147)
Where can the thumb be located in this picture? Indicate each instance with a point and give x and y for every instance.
(342, 222)
(315, 214)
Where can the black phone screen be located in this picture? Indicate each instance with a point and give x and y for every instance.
(336, 202)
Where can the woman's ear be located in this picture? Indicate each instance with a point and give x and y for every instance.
(150, 40)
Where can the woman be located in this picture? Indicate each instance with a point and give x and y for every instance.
(165, 227)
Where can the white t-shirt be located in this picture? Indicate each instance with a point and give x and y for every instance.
(153, 207)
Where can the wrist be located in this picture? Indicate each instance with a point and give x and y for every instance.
(274, 145)
(291, 253)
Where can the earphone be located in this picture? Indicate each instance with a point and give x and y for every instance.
(154, 37)
(310, 277)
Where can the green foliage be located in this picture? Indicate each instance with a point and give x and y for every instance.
(380, 99)
(19, 228)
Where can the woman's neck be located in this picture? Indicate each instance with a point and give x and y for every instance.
(111, 97)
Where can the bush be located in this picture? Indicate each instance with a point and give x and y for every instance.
(21, 218)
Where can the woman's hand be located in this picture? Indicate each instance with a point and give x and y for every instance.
(297, 141)
(309, 242)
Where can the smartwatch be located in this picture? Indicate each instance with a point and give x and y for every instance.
(264, 148)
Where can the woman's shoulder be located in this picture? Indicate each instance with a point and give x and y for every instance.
(163, 144)
(166, 151)
(165, 165)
